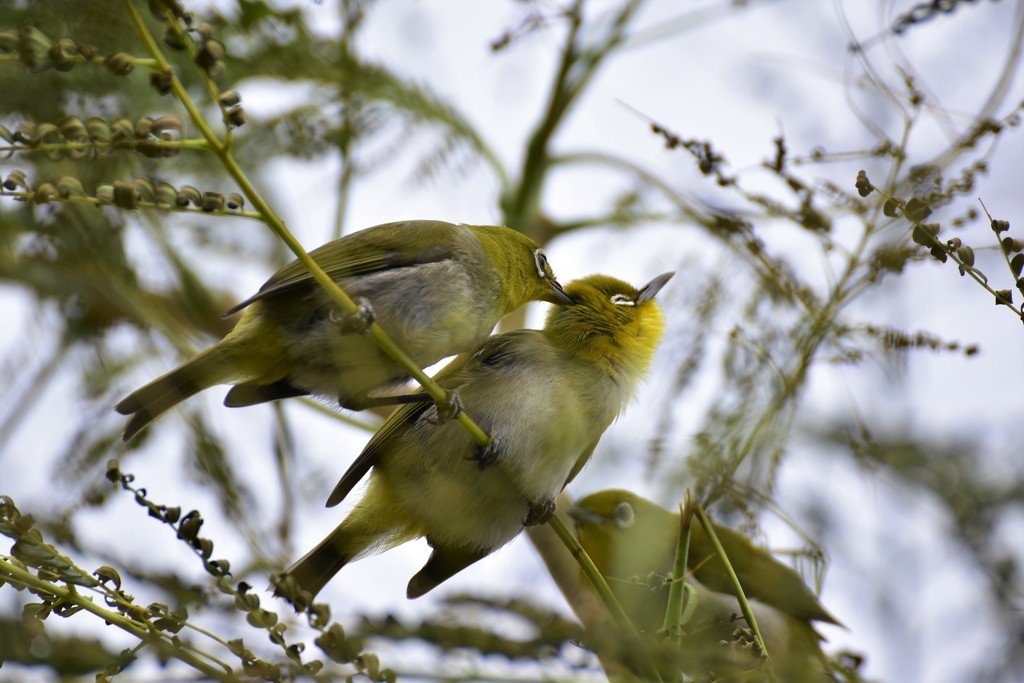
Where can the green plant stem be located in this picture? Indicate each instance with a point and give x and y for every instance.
(601, 586)
(965, 269)
(79, 59)
(748, 614)
(274, 222)
(366, 425)
(674, 609)
(47, 147)
(144, 632)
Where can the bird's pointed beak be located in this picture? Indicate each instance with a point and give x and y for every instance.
(648, 291)
(585, 516)
(558, 295)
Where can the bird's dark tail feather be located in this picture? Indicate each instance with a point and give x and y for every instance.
(300, 583)
(153, 400)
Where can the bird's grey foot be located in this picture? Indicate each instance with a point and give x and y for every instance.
(448, 410)
(540, 513)
(488, 455)
(354, 323)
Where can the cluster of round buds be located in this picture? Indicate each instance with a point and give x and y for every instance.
(234, 115)
(67, 187)
(964, 253)
(187, 526)
(32, 551)
(926, 234)
(75, 137)
(1014, 250)
(208, 51)
(134, 194)
(144, 192)
(36, 51)
(892, 338)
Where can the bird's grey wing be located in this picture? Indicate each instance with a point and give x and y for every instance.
(370, 456)
(362, 253)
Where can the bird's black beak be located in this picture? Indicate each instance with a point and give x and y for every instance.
(648, 291)
(558, 294)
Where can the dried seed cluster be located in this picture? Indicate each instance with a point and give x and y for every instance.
(134, 194)
(71, 135)
(916, 209)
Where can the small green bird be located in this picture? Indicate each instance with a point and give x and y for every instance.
(436, 288)
(629, 537)
(544, 396)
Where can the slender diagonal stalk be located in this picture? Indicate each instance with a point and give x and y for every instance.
(277, 225)
(593, 574)
(677, 590)
(748, 614)
(68, 595)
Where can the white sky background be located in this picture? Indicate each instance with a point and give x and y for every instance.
(736, 80)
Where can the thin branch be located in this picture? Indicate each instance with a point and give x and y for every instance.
(277, 225)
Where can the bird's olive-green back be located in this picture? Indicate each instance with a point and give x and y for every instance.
(382, 247)
(647, 543)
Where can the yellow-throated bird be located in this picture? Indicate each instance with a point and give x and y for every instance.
(436, 288)
(630, 538)
(544, 396)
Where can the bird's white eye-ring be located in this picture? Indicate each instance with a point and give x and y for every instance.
(541, 259)
(622, 300)
(623, 516)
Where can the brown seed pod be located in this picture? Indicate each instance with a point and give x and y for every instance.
(230, 98)
(72, 128)
(212, 201)
(122, 133)
(863, 185)
(15, 180)
(173, 38)
(119, 63)
(236, 117)
(189, 195)
(62, 54)
(168, 127)
(1017, 265)
(45, 193)
(162, 81)
(166, 194)
(1012, 246)
(105, 194)
(125, 195)
(144, 190)
(917, 210)
(34, 48)
(98, 129)
(69, 186)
